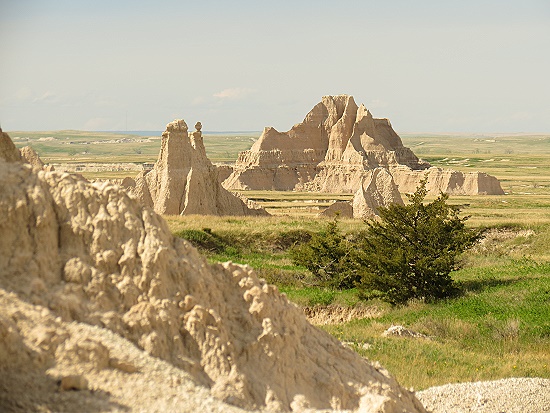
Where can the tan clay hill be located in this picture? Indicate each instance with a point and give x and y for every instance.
(184, 181)
(331, 151)
(98, 297)
(377, 190)
(10, 153)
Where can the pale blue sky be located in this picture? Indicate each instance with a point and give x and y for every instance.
(427, 65)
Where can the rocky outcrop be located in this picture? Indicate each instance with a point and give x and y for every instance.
(76, 253)
(377, 190)
(184, 181)
(8, 151)
(447, 181)
(30, 156)
(224, 171)
(331, 151)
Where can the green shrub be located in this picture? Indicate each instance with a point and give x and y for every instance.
(411, 251)
(326, 255)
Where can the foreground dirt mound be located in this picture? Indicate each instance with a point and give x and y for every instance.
(333, 149)
(184, 181)
(75, 252)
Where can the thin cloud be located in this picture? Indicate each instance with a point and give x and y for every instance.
(46, 97)
(233, 93)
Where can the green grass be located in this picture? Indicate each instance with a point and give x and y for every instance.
(70, 146)
(499, 328)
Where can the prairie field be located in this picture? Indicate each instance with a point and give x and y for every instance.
(498, 327)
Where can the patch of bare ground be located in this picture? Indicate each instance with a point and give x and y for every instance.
(337, 314)
(494, 238)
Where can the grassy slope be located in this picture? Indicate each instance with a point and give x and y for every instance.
(499, 328)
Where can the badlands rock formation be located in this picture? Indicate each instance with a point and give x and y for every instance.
(30, 156)
(448, 181)
(10, 153)
(377, 190)
(77, 254)
(184, 181)
(331, 151)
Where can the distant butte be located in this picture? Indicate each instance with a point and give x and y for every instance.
(333, 149)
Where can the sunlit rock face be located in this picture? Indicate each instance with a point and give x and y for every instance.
(333, 149)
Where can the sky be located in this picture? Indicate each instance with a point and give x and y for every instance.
(476, 66)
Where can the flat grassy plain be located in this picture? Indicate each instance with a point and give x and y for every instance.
(71, 146)
(499, 327)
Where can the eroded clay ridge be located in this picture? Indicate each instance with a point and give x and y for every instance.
(376, 190)
(184, 181)
(10, 153)
(91, 253)
(331, 151)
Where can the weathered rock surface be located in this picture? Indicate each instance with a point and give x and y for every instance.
(377, 190)
(8, 151)
(30, 156)
(76, 253)
(331, 151)
(184, 181)
(448, 181)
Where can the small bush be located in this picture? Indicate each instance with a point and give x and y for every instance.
(326, 256)
(410, 252)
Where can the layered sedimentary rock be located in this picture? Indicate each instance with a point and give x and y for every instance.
(448, 181)
(184, 181)
(377, 190)
(330, 151)
(76, 253)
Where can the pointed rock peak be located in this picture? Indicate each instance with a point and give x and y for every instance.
(363, 112)
(178, 125)
(184, 181)
(8, 151)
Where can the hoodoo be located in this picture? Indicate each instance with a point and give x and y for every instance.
(184, 181)
(333, 149)
(81, 261)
